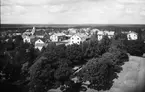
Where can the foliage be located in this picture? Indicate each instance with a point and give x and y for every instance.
(52, 72)
(136, 48)
(12, 59)
(101, 71)
(75, 54)
(92, 50)
(104, 45)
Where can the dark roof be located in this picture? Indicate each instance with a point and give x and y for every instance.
(41, 32)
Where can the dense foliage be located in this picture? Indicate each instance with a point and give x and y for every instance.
(99, 61)
(14, 54)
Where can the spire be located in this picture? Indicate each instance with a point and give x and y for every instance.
(33, 31)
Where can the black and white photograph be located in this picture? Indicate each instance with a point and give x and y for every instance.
(72, 45)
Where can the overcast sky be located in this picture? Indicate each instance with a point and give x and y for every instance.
(73, 11)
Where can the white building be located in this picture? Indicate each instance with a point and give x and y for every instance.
(100, 35)
(109, 33)
(132, 35)
(78, 38)
(39, 44)
(26, 39)
(55, 37)
(33, 31)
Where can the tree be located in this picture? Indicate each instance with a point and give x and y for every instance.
(135, 47)
(104, 45)
(51, 72)
(75, 54)
(100, 73)
(92, 49)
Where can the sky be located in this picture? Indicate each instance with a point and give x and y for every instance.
(72, 11)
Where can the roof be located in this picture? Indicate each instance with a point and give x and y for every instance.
(109, 32)
(100, 33)
(42, 39)
(130, 32)
(59, 34)
(40, 32)
(26, 33)
(33, 40)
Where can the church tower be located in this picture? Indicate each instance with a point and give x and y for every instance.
(33, 31)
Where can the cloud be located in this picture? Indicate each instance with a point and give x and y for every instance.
(131, 1)
(24, 2)
(142, 13)
(73, 11)
(54, 8)
(9, 10)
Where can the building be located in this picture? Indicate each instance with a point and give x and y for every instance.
(100, 35)
(132, 35)
(110, 34)
(27, 35)
(78, 38)
(33, 31)
(39, 43)
(26, 39)
(55, 37)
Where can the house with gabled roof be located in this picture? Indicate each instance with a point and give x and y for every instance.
(55, 37)
(39, 44)
(110, 34)
(78, 38)
(100, 35)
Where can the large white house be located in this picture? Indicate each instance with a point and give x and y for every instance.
(78, 38)
(55, 37)
(100, 35)
(26, 39)
(39, 44)
(132, 35)
(110, 34)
